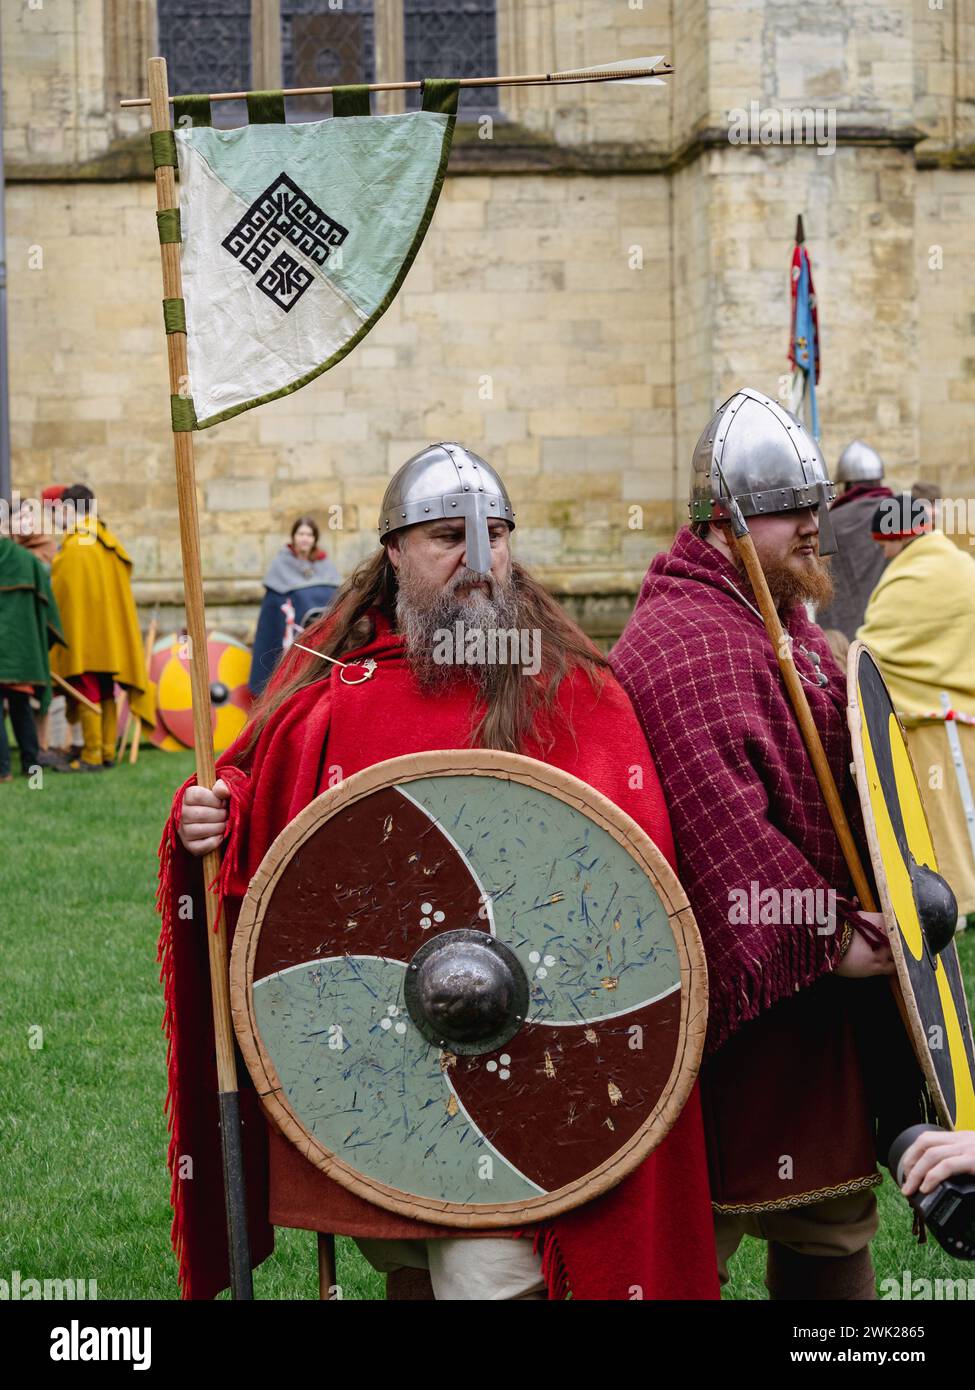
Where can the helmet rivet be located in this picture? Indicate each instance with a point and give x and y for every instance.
(453, 504)
(426, 509)
(403, 514)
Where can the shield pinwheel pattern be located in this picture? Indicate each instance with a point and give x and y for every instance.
(469, 988)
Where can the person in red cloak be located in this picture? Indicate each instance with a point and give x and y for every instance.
(651, 1236)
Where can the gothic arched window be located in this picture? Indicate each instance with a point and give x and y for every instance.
(207, 47)
(325, 45)
(452, 38)
(320, 43)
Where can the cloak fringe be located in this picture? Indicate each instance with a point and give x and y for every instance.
(554, 1272)
(164, 956)
(796, 963)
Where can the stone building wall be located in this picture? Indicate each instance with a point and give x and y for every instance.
(548, 363)
(945, 363)
(599, 275)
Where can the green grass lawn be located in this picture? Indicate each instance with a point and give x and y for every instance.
(83, 1136)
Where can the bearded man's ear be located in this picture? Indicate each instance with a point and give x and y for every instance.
(394, 549)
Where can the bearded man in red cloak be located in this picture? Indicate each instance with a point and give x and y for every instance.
(807, 1075)
(444, 564)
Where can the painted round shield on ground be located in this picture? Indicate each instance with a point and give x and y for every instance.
(228, 667)
(469, 988)
(917, 911)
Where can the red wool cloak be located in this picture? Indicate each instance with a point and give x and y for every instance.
(653, 1232)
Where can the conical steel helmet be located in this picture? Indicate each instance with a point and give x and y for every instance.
(447, 480)
(859, 464)
(768, 460)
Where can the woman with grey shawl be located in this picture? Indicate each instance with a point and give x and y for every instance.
(300, 577)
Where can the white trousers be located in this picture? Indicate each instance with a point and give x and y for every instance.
(486, 1270)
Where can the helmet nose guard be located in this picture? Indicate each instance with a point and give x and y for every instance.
(827, 536)
(442, 481)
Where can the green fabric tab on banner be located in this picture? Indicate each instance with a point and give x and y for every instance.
(192, 111)
(184, 416)
(265, 108)
(440, 94)
(351, 101)
(174, 315)
(163, 144)
(168, 223)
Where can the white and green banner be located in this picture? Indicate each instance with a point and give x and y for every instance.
(296, 238)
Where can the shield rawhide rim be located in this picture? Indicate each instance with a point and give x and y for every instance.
(678, 1012)
(931, 995)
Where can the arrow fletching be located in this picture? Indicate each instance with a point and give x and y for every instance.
(635, 72)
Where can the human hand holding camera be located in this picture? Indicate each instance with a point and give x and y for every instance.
(935, 1170)
(935, 1155)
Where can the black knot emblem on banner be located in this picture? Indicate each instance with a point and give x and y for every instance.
(284, 213)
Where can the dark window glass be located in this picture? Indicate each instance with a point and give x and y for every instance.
(452, 38)
(207, 49)
(325, 45)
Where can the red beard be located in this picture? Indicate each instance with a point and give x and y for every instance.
(796, 578)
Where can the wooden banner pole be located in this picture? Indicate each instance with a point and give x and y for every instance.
(532, 79)
(189, 532)
(326, 1265)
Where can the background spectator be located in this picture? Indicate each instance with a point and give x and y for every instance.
(300, 574)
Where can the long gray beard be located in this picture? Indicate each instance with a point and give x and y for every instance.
(419, 618)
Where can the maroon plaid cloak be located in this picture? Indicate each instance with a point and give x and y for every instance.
(746, 810)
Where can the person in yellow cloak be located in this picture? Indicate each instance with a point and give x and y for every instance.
(920, 626)
(91, 578)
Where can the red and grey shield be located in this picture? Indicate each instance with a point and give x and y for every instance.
(919, 908)
(469, 988)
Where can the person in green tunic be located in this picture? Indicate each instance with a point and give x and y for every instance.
(29, 625)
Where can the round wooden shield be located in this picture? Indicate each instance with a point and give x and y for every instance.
(228, 666)
(518, 871)
(931, 985)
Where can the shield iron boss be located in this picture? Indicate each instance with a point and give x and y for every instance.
(858, 463)
(447, 480)
(918, 905)
(469, 988)
(767, 459)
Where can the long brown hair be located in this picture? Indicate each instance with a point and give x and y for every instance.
(519, 706)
